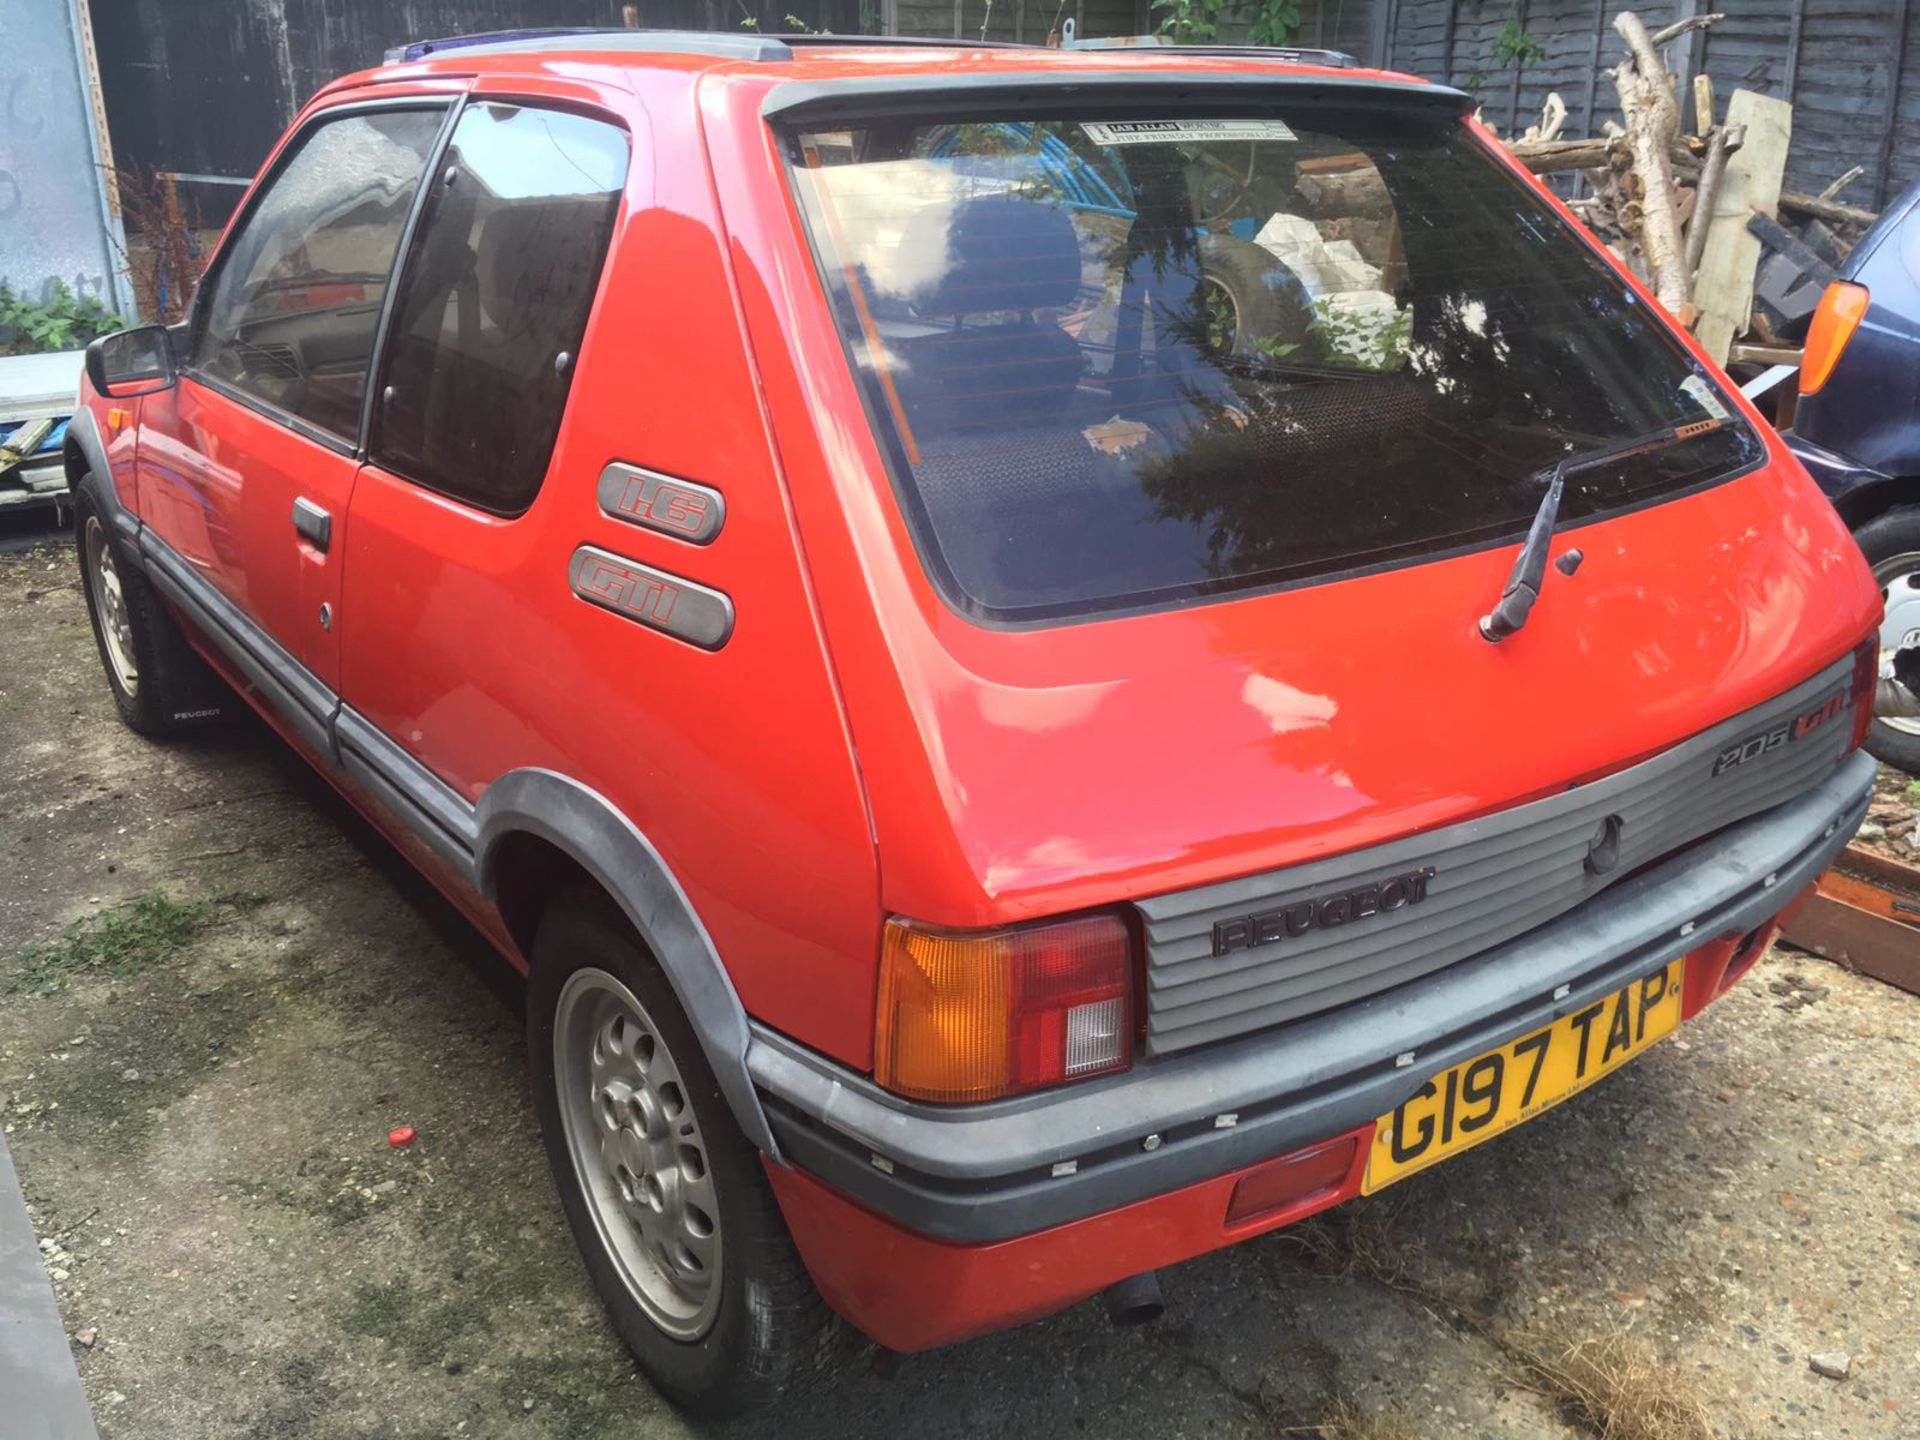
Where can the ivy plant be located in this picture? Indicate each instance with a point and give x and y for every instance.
(1191, 22)
(1516, 46)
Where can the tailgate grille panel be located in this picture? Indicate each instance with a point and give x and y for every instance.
(1494, 878)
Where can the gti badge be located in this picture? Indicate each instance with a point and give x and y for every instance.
(1786, 732)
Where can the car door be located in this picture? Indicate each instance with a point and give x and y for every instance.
(247, 465)
(490, 309)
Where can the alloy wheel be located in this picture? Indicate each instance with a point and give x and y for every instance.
(637, 1149)
(110, 606)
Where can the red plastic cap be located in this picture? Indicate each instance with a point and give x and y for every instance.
(1294, 1179)
(400, 1136)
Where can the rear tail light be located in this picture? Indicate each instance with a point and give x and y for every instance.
(1863, 688)
(974, 1015)
(1834, 321)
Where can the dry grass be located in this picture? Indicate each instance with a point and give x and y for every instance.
(1365, 1242)
(1344, 1421)
(1614, 1386)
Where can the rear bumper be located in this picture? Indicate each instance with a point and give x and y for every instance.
(925, 1224)
(910, 1291)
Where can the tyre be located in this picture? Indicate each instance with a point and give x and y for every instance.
(672, 1212)
(1891, 543)
(160, 685)
(1251, 297)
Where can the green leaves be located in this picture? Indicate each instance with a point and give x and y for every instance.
(1275, 22)
(119, 942)
(1269, 22)
(1516, 46)
(61, 322)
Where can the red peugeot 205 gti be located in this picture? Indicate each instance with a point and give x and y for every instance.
(1050, 659)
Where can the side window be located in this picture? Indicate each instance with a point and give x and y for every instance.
(493, 300)
(296, 298)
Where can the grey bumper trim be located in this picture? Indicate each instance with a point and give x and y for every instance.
(306, 705)
(981, 1173)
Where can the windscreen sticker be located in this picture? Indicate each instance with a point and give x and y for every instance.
(1173, 132)
(1703, 396)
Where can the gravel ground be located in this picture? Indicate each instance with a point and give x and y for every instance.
(237, 1251)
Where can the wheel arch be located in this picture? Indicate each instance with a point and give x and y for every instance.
(568, 831)
(84, 454)
(1870, 501)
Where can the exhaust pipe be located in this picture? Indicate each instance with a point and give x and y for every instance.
(1134, 1300)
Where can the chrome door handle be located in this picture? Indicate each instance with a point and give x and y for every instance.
(313, 523)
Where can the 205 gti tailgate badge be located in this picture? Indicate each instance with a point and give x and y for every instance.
(1264, 927)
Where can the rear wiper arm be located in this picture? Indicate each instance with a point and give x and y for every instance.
(1529, 569)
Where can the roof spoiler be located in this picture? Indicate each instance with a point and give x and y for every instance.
(1012, 93)
(747, 46)
(1286, 54)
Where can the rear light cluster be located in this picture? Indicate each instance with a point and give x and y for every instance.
(1835, 319)
(1864, 688)
(975, 1015)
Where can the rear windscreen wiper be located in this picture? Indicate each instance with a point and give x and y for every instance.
(1523, 585)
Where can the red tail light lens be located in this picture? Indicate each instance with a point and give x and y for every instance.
(1866, 681)
(974, 1015)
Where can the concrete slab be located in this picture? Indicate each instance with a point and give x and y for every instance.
(39, 1388)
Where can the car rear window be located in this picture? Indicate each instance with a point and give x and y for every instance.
(1137, 360)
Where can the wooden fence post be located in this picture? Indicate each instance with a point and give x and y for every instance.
(1519, 68)
(1795, 22)
(1882, 177)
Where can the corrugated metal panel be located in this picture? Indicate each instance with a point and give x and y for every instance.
(1493, 879)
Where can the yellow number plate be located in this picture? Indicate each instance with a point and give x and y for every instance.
(1475, 1101)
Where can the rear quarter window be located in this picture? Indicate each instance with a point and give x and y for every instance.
(1131, 361)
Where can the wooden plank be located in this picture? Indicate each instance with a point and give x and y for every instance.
(1858, 939)
(1785, 355)
(1723, 285)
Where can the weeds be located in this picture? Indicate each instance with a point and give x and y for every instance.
(1613, 1386)
(120, 941)
(1364, 1242)
(1346, 1421)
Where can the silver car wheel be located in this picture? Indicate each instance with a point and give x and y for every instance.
(1899, 577)
(638, 1152)
(110, 605)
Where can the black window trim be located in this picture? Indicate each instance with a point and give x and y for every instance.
(793, 109)
(354, 446)
(376, 376)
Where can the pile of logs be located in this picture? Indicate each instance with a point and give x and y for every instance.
(1694, 209)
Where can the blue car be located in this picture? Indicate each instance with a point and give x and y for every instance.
(1858, 433)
